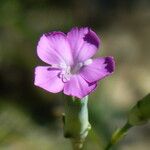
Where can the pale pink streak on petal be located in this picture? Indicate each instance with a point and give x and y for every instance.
(78, 87)
(54, 48)
(98, 69)
(48, 79)
(84, 43)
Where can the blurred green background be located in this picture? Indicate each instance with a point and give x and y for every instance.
(30, 118)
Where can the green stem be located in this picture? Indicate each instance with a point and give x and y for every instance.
(138, 115)
(118, 135)
(76, 124)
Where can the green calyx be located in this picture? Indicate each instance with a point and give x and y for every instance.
(76, 123)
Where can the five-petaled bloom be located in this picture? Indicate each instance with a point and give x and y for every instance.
(71, 68)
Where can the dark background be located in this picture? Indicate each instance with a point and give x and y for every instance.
(30, 118)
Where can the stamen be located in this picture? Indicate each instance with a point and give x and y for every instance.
(68, 71)
(65, 73)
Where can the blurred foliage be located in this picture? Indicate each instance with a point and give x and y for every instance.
(30, 118)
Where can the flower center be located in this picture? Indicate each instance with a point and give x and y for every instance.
(67, 71)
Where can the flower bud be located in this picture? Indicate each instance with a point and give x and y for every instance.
(140, 113)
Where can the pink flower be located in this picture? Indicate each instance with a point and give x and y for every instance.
(71, 68)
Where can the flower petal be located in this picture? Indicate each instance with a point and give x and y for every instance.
(78, 87)
(84, 43)
(47, 78)
(54, 48)
(98, 69)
